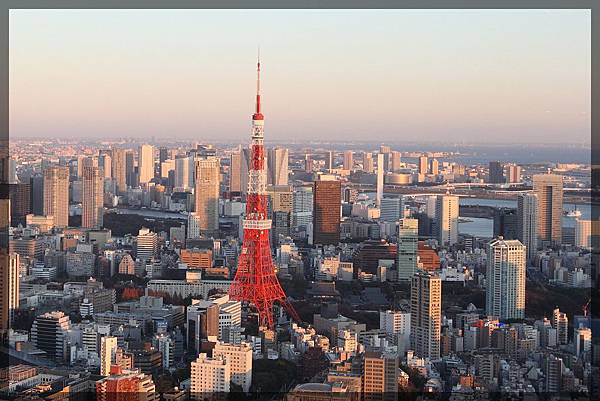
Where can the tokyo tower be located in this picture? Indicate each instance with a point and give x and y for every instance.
(255, 281)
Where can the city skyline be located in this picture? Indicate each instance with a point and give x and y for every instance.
(528, 82)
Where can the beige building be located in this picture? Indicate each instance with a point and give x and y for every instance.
(549, 190)
(426, 314)
(348, 160)
(282, 198)
(56, 194)
(92, 194)
(108, 352)
(239, 358)
(446, 215)
(209, 377)
(277, 163)
(119, 169)
(207, 193)
(380, 377)
(146, 163)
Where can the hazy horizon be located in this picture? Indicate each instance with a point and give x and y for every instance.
(520, 76)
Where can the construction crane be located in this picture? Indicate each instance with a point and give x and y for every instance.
(586, 307)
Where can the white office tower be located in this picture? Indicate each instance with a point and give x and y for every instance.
(277, 164)
(560, 322)
(390, 209)
(408, 236)
(505, 279)
(108, 351)
(193, 225)
(426, 314)
(209, 377)
(348, 160)
(146, 163)
(206, 193)
(146, 244)
(302, 207)
(527, 225)
(446, 215)
(380, 172)
(396, 325)
(239, 358)
(184, 173)
(329, 160)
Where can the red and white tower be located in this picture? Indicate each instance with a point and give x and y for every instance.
(255, 281)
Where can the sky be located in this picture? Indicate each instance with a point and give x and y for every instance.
(452, 76)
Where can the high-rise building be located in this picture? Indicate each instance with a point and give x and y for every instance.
(582, 337)
(396, 325)
(108, 351)
(302, 208)
(20, 206)
(163, 154)
(130, 170)
(49, 332)
(235, 172)
(496, 173)
(396, 161)
(380, 173)
(505, 223)
(390, 209)
(386, 151)
(184, 172)
(549, 190)
(368, 162)
(327, 196)
(146, 244)
(36, 183)
(329, 160)
(426, 314)
(583, 233)
(446, 214)
(560, 322)
(513, 173)
(207, 193)
(56, 194)
(527, 226)
(9, 290)
(505, 279)
(423, 165)
(408, 236)
(209, 377)
(105, 163)
(239, 358)
(119, 169)
(168, 167)
(93, 195)
(146, 163)
(277, 162)
(308, 166)
(380, 376)
(435, 167)
(348, 160)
